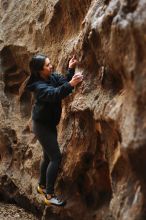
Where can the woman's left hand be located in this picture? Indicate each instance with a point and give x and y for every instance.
(73, 62)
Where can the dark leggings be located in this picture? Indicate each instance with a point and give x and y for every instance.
(50, 163)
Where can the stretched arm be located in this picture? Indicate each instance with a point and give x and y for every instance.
(70, 73)
(48, 93)
(71, 70)
(61, 79)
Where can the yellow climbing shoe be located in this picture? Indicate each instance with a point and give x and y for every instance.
(41, 190)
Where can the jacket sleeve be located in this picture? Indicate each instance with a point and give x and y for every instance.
(48, 93)
(62, 79)
(70, 74)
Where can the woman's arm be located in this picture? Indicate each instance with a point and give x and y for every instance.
(48, 93)
(71, 68)
(70, 73)
(61, 79)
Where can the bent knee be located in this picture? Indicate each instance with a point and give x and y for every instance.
(58, 159)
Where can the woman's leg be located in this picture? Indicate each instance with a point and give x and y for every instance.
(43, 169)
(52, 156)
(55, 160)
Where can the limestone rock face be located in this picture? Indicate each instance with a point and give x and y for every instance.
(102, 129)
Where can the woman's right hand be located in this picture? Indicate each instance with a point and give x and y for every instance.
(76, 79)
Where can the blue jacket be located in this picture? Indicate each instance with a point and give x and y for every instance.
(48, 95)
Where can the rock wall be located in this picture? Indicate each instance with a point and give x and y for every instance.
(102, 130)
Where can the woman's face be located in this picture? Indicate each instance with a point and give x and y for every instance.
(47, 68)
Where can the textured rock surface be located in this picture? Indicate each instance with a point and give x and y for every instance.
(9, 211)
(102, 130)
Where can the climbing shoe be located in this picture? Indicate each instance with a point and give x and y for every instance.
(41, 190)
(53, 200)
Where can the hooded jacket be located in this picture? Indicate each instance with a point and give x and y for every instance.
(48, 96)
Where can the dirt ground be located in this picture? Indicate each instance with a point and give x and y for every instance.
(11, 212)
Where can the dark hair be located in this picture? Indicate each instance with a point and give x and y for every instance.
(36, 64)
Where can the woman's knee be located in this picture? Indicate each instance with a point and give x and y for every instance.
(46, 157)
(58, 158)
(44, 162)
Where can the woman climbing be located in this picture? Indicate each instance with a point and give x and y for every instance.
(49, 89)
